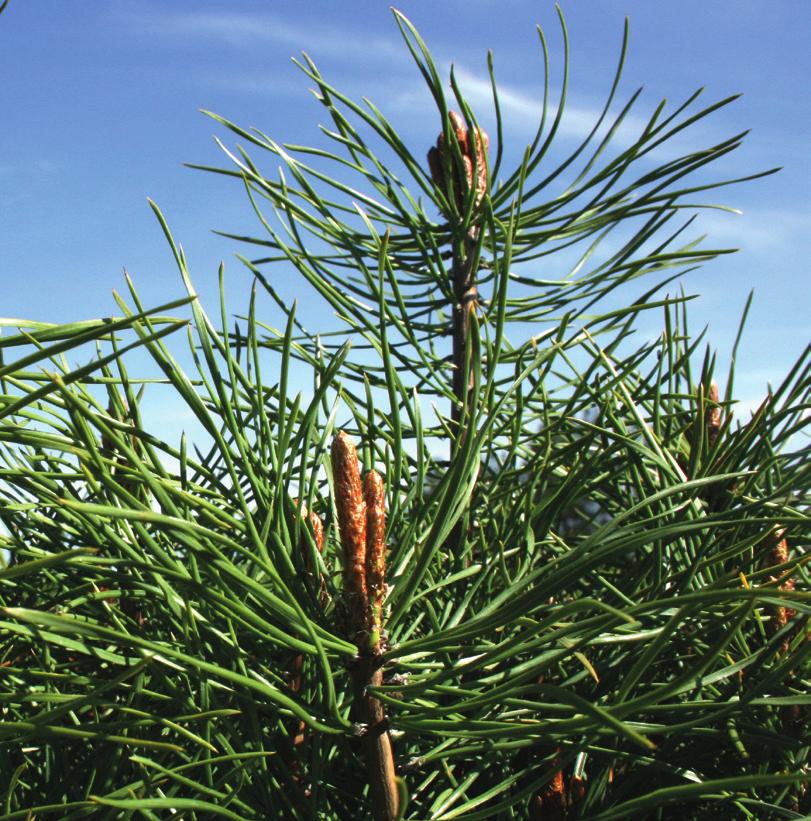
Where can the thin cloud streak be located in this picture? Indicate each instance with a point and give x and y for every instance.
(239, 30)
(526, 109)
(760, 230)
(521, 112)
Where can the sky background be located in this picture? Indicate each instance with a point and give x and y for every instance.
(100, 102)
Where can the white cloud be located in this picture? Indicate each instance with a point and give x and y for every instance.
(238, 30)
(525, 109)
(757, 230)
(521, 112)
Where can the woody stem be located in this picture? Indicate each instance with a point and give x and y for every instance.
(377, 747)
(466, 296)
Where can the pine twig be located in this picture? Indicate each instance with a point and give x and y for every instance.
(472, 176)
(362, 524)
(473, 149)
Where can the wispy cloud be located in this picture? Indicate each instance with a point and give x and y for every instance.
(522, 109)
(758, 230)
(240, 30)
(525, 109)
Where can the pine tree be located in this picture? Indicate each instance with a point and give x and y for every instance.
(500, 561)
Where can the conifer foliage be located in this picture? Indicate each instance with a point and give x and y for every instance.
(503, 558)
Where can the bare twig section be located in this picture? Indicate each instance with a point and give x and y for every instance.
(362, 525)
(351, 509)
(377, 745)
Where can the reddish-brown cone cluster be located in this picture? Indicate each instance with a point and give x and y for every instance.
(555, 802)
(779, 555)
(352, 527)
(474, 159)
(362, 526)
(550, 805)
(791, 714)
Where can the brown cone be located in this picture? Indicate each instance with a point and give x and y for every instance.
(437, 159)
(375, 496)
(351, 509)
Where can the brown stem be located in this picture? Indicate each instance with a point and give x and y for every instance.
(466, 295)
(377, 746)
(376, 742)
(457, 181)
(465, 301)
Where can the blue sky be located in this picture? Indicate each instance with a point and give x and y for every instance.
(100, 109)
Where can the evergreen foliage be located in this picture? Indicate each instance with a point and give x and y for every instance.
(577, 586)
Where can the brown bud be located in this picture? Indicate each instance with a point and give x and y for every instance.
(437, 159)
(375, 497)
(577, 790)
(713, 415)
(459, 128)
(435, 166)
(482, 146)
(318, 533)
(779, 552)
(352, 526)
(550, 804)
(779, 555)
